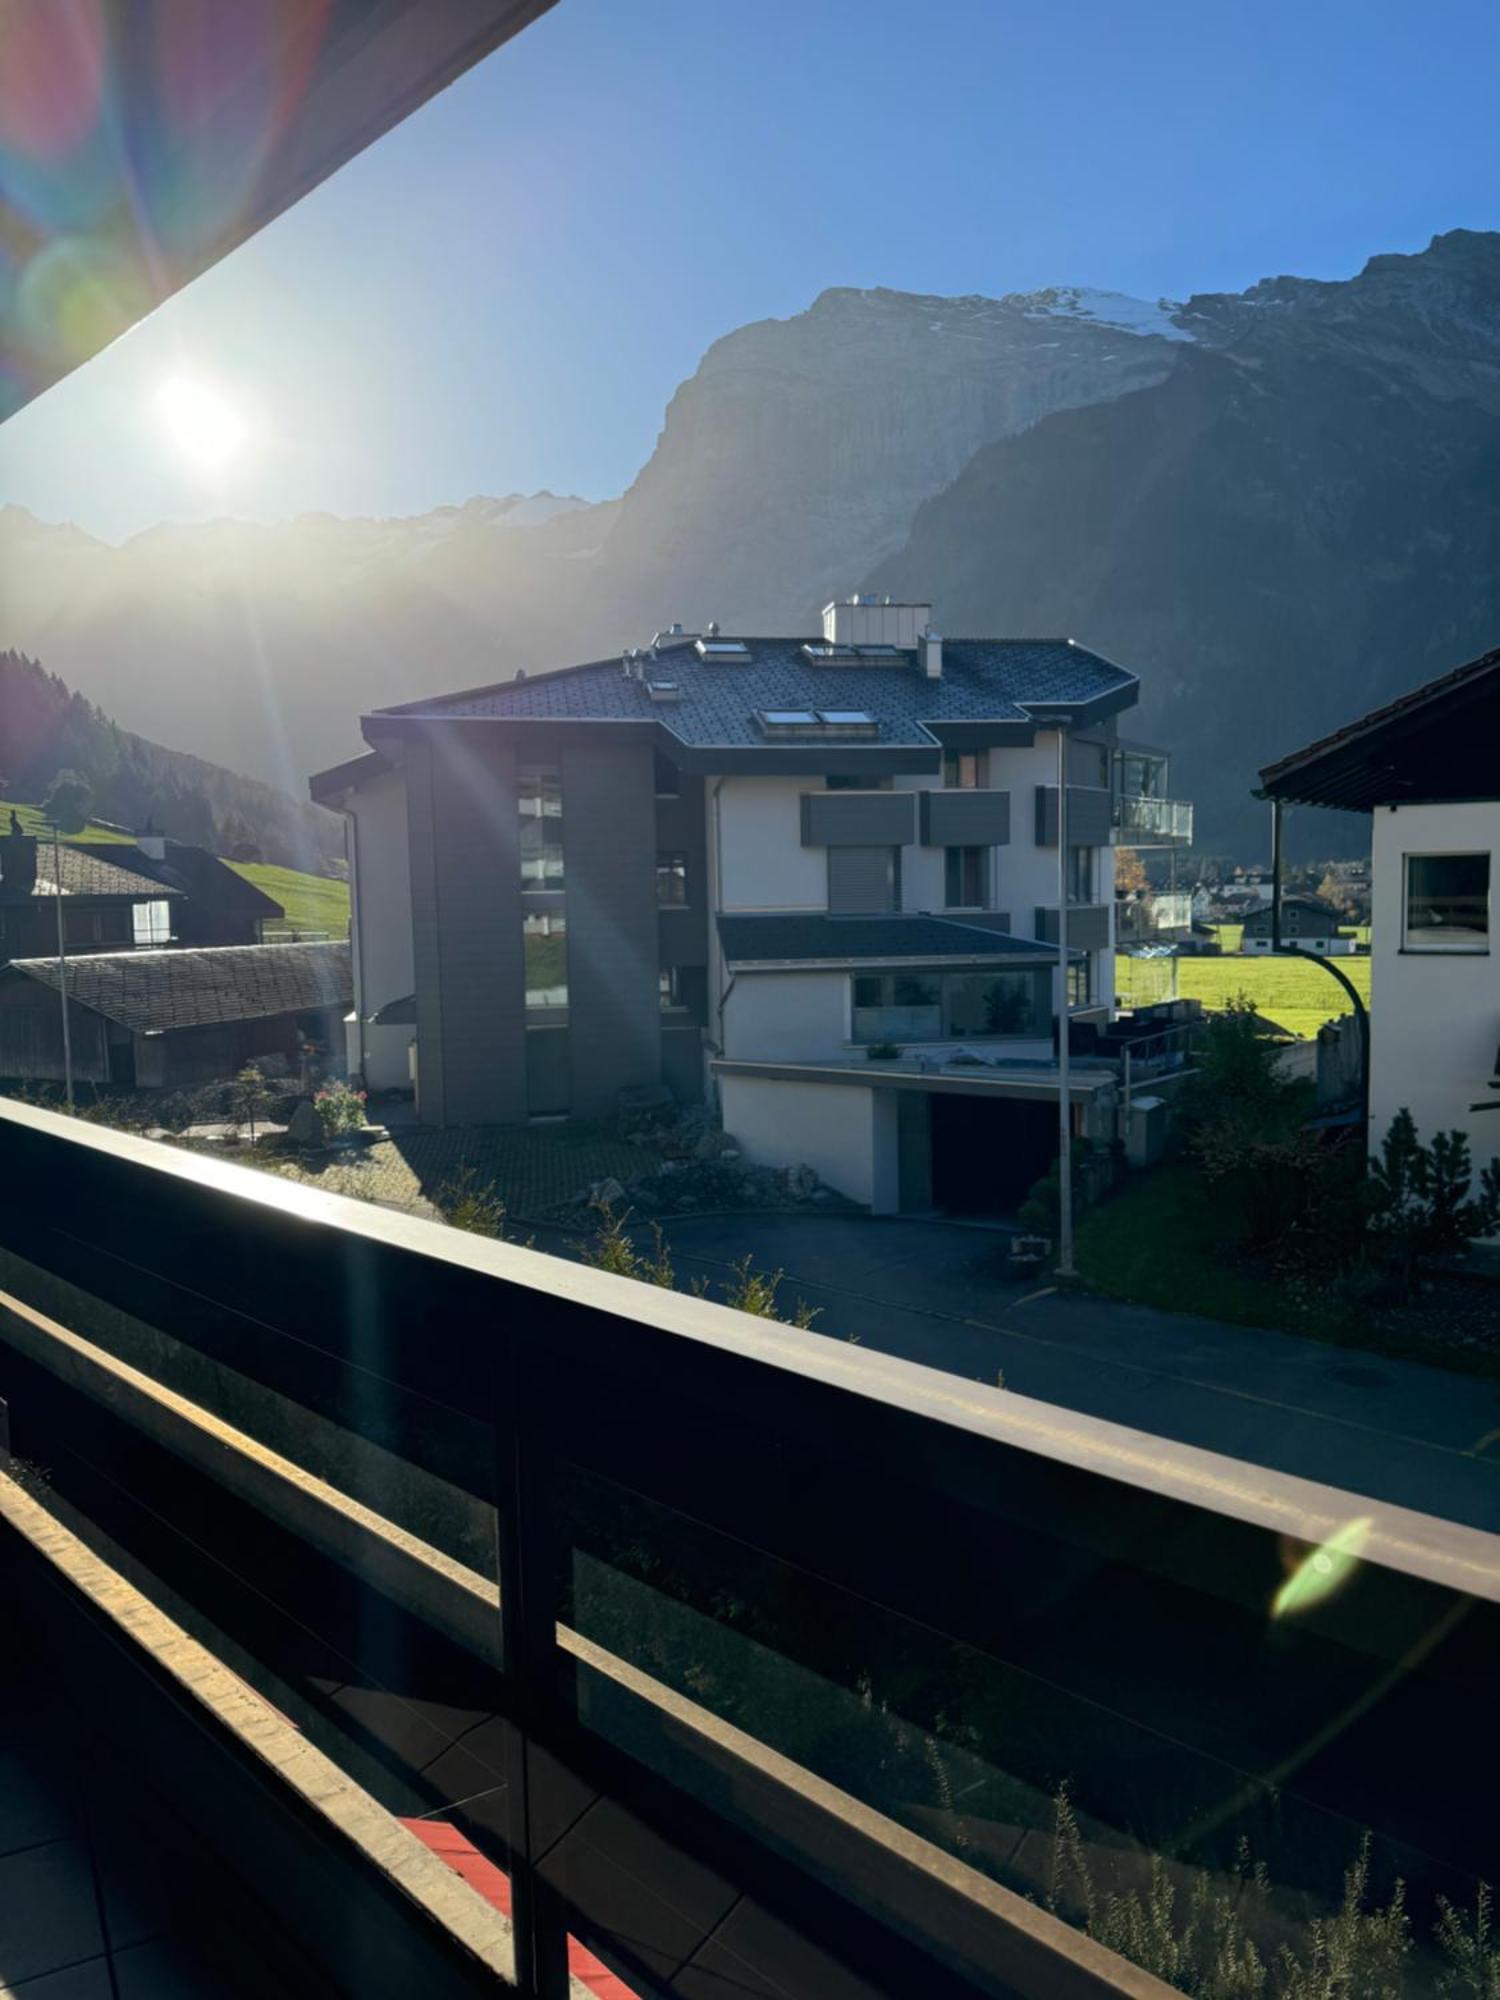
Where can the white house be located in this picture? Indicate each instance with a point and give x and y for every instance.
(1427, 770)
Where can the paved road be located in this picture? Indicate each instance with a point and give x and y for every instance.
(939, 1293)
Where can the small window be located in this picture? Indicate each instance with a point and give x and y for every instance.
(965, 878)
(722, 649)
(966, 770)
(1081, 983)
(671, 880)
(1080, 874)
(789, 718)
(669, 988)
(151, 923)
(1447, 902)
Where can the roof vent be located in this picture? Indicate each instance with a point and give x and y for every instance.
(866, 621)
(673, 635)
(664, 690)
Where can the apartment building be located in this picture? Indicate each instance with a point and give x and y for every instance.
(816, 877)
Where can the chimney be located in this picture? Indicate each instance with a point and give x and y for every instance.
(17, 860)
(874, 621)
(930, 653)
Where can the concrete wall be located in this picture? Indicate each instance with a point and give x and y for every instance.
(837, 1129)
(1434, 1017)
(609, 853)
(380, 930)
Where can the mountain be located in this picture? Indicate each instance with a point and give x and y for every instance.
(1298, 522)
(1275, 504)
(45, 728)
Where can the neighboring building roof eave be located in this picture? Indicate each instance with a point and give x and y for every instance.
(326, 786)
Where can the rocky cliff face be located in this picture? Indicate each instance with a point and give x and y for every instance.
(1277, 505)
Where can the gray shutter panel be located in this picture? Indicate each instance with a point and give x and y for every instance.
(862, 880)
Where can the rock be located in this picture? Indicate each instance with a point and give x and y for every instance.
(801, 1181)
(714, 1144)
(306, 1127)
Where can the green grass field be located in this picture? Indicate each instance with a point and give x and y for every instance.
(311, 902)
(1299, 998)
(32, 822)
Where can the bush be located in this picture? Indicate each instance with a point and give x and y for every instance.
(748, 1291)
(882, 1051)
(341, 1109)
(1420, 1200)
(466, 1202)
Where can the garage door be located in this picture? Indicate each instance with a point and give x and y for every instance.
(988, 1151)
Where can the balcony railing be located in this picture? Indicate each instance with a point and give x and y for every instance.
(1143, 821)
(747, 1659)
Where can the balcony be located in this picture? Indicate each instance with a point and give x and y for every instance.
(1153, 822)
(501, 1625)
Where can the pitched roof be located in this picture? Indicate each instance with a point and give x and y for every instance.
(153, 991)
(813, 937)
(717, 701)
(85, 872)
(1437, 742)
(195, 873)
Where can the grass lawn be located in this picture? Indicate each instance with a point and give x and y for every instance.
(1162, 1242)
(1299, 998)
(32, 822)
(311, 902)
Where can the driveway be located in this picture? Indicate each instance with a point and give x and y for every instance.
(939, 1293)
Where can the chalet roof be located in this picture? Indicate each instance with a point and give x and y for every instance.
(84, 871)
(152, 992)
(1435, 743)
(196, 873)
(811, 936)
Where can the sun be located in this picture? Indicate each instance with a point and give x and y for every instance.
(201, 423)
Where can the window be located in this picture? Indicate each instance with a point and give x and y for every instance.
(722, 649)
(1080, 874)
(813, 725)
(966, 770)
(671, 881)
(1447, 902)
(544, 908)
(864, 880)
(1081, 983)
(966, 878)
(936, 1007)
(668, 987)
(668, 779)
(151, 923)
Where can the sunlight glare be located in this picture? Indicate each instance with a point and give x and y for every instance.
(203, 425)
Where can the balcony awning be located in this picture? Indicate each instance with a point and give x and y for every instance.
(140, 143)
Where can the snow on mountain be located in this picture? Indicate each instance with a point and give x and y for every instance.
(1112, 309)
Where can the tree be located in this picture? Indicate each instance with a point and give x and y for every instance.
(249, 1098)
(1421, 1202)
(1130, 872)
(69, 800)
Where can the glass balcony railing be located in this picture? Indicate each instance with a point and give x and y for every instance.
(1141, 821)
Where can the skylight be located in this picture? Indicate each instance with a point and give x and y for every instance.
(817, 724)
(722, 649)
(823, 654)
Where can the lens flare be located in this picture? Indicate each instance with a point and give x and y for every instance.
(1323, 1570)
(204, 425)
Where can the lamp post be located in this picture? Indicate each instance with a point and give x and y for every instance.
(62, 961)
(1064, 1267)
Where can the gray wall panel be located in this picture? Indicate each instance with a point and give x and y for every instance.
(858, 819)
(965, 819)
(1090, 816)
(682, 1063)
(466, 930)
(609, 853)
(1088, 926)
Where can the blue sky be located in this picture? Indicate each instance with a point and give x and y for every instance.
(503, 294)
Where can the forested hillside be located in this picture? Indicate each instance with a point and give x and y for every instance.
(45, 727)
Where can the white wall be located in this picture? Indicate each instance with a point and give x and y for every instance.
(843, 1131)
(764, 865)
(1434, 1017)
(380, 882)
(787, 1016)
